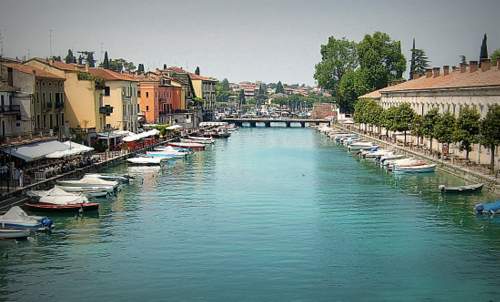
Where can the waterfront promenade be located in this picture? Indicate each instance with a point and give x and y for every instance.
(468, 173)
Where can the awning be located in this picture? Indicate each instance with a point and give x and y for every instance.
(205, 124)
(115, 134)
(35, 151)
(73, 149)
(174, 127)
(142, 135)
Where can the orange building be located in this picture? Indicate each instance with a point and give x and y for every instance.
(159, 97)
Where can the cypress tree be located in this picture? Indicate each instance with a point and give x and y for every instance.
(484, 49)
(412, 62)
(197, 71)
(105, 63)
(70, 58)
(164, 66)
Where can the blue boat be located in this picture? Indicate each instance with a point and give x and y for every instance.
(487, 208)
(17, 219)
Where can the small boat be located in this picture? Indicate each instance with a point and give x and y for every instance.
(487, 208)
(389, 157)
(56, 199)
(89, 181)
(16, 218)
(14, 234)
(111, 177)
(162, 154)
(193, 146)
(146, 161)
(461, 189)
(357, 146)
(170, 149)
(89, 192)
(415, 169)
(199, 140)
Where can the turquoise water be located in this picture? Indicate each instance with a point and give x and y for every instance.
(267, 215)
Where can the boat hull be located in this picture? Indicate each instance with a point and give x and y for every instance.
(461, 189)
(14, 234)
(415, 169)
(41, 206)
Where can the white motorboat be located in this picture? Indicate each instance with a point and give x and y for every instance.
(388, 157)
(89, 181)
(144, 160)
(200, 140)
(376, 154)
(58, 196)
(89, 192)
(415, 169)
(170, 149)
(361, 145)
(14, 234)
(111, 177)
(16, 218)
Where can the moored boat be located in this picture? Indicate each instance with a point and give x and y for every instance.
(16, 218)
(14, 234)
(57, 199)
(191, 145)
(487, 208)
(89, 181)
(198, 139)
(415, 169)
(111, 177)
(461, 189)
(145, 161)
(89, 192)
(361, 145)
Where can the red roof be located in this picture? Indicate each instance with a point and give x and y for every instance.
(109, 75)
(194, 76)
(38, 72)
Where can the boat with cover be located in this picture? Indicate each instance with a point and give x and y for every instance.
(56, 199)
(376, 154)
(487, 208)
(415, 169)
(16, 218)
(462, 189)
(89, 181)
(162, 154)
(198, 139)
(404, 162)
(14, 234)
(361, 145)
(390, 157)
(193, 146)
(174, 150)
(146, 160)
(89, 192)
(111, 177)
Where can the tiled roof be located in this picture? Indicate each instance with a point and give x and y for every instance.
(60, 65)
(39, 73)
(455, 79)
(109, 75)
(194, 76)
(372, 95)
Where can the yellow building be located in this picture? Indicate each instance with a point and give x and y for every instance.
(120, 92)
(204, 88)
(84, 107)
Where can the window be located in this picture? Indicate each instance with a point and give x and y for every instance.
(2, 100)
(106, 91)
(147, 94)
(50, 121)
(147, 107)
(38, 121)
(44, 121)
(138, 93)
(62, 118)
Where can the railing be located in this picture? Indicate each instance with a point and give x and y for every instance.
(10, 109)
(106, 110)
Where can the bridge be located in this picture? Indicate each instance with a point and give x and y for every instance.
(252, 122)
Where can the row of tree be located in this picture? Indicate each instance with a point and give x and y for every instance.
(466, 130)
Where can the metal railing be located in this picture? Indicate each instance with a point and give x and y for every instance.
(10, 109)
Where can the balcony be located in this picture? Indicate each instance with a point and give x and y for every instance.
(107, 110)
(10, 109)
(59, 104)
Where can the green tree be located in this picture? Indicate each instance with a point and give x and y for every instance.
(374, 114)
(241, 97)
(445, 128)
(429, 122)
(90, 59)
(222, 91)
(495, 56)
(490, 132)
(70, 58)
(404, 119)
(197, 70)
(463, 59)
(105, 63)
(352, 85)
(337, 57)
(140, 68)
(382, 59)
(467, 129)
(279, 88)
(389, 119)
(417, 127)
(360, 112)
(421, 62)
(484, 48)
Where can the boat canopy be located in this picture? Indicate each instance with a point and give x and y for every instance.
(174, 127)
(210, 124)
(73, 149)
(17, 215)
(140, 136)
(57, 195)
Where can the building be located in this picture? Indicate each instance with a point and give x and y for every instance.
(180, 76)
(448, 90)
(84, 107)
(10, 113)
(204, 88)
(120, 93)
(248, 88)
(323, 111)
(40, 97)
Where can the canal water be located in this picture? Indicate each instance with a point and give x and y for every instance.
(267, 215)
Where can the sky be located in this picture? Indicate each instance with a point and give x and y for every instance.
(243, 40)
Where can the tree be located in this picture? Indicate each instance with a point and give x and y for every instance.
(417, 127)
(382, 59)
(445, 128)
(90, 59)
(70, 58)
(467, 129)
(261, 93)
(242, 97)
(421, 62)
(56, 58)
(279, 88)
(222, 91)
(490, 132)
(352, 85)
(412, 61)
(429, 122)
(120, 65)
(403, 119)
(164, 66)
(197, 71)
(337, 57)
(80, 59)
(388, 119)
(105, 63)
(495, 56)
(484, 49)
(140, 69)
(463, 59)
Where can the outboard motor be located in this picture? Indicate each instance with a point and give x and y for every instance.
(479, 208)
(47, 223)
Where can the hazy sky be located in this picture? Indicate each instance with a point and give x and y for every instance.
(243, 40)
